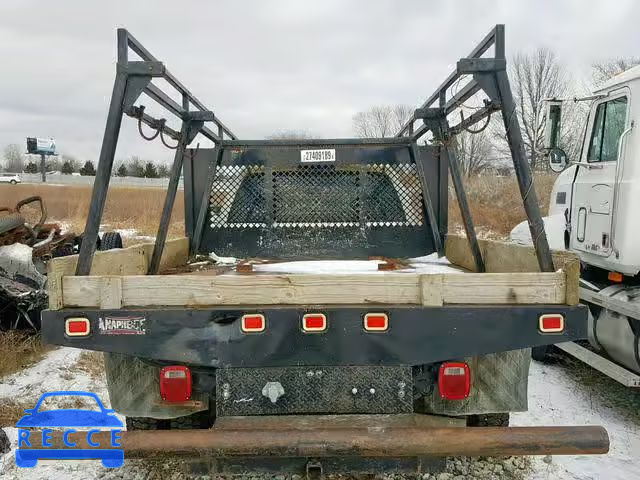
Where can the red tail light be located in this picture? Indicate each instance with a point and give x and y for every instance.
(314, 322)
(551, 323)
(175, 383)
(454, 380)
(253, 323)
(376, 322)
(77, 327)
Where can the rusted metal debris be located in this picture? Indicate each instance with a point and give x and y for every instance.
(46, 239)
(24, 247)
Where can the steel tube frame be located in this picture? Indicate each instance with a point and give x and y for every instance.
(132, 79)
(103, 174)
(320, 442)
(169, 200)
(523, 174)
(489, 75)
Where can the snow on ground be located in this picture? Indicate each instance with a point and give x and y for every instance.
(554, 227)
(562, 393)
(570, 393)
(427, 264)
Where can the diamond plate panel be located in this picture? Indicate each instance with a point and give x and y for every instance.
(315, 390)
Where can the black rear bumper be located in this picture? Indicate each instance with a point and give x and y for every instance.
(212, 337)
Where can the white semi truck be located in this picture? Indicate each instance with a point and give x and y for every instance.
(593, 211)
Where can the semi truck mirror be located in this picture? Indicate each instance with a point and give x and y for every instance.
(553, 114)
(557, 159)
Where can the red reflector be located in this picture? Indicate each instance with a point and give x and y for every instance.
(253, 323)
(551, 323)
(77, 327)
(314, 322)
(454, 380)
(175, 383)
(615, 277)
(376, 322)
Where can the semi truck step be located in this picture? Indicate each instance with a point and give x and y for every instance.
(602, 364)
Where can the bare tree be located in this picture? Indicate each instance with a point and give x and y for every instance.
(534, 77)
(13, 158)
(604, 70)
(473, 152)
(381, 121)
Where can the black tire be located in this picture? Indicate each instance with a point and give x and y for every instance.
(11, 221)
(5, 444)
(144, 423)
(63, 251)
(488, 420)
(110, 240)
(80, 238)
(195, 421)
(198, 420)
(540, 353)
(13, 182)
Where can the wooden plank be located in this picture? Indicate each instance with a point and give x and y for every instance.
(125, 261)
(133, 260)
(503, 257)
(111, 293)
(604, 365)
(175, 253)
(311, 289)
(509, 288)
(431, 288)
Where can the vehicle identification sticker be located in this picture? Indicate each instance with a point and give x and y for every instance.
(122, 325)
(321, 155)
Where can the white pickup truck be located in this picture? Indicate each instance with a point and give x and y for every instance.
(11, 178)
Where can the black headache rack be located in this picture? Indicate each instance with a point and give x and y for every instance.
(366, 195)
(367, 201)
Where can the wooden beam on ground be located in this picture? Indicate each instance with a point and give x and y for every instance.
(311, 289)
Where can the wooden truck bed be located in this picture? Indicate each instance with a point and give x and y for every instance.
(118, 280)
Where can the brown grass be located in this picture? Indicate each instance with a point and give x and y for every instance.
(496, 204)
(11, 411)
(126, 207)
(92, 363)
(19, 350)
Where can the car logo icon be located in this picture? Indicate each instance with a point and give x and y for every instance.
(34, 445)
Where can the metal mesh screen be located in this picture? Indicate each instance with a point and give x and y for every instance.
(316, 196)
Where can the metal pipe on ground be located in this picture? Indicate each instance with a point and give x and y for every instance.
(365, 442)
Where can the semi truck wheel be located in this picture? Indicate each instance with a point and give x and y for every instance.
(488, 420)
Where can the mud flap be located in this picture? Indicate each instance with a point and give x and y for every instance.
(498, 385)
(134, 390)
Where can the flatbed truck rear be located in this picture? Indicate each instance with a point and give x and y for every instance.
(320, 372)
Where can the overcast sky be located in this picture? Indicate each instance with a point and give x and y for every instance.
(268, 66)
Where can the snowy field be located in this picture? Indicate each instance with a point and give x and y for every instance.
(560, 393)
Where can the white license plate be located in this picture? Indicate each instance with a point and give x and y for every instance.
(322, 155)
